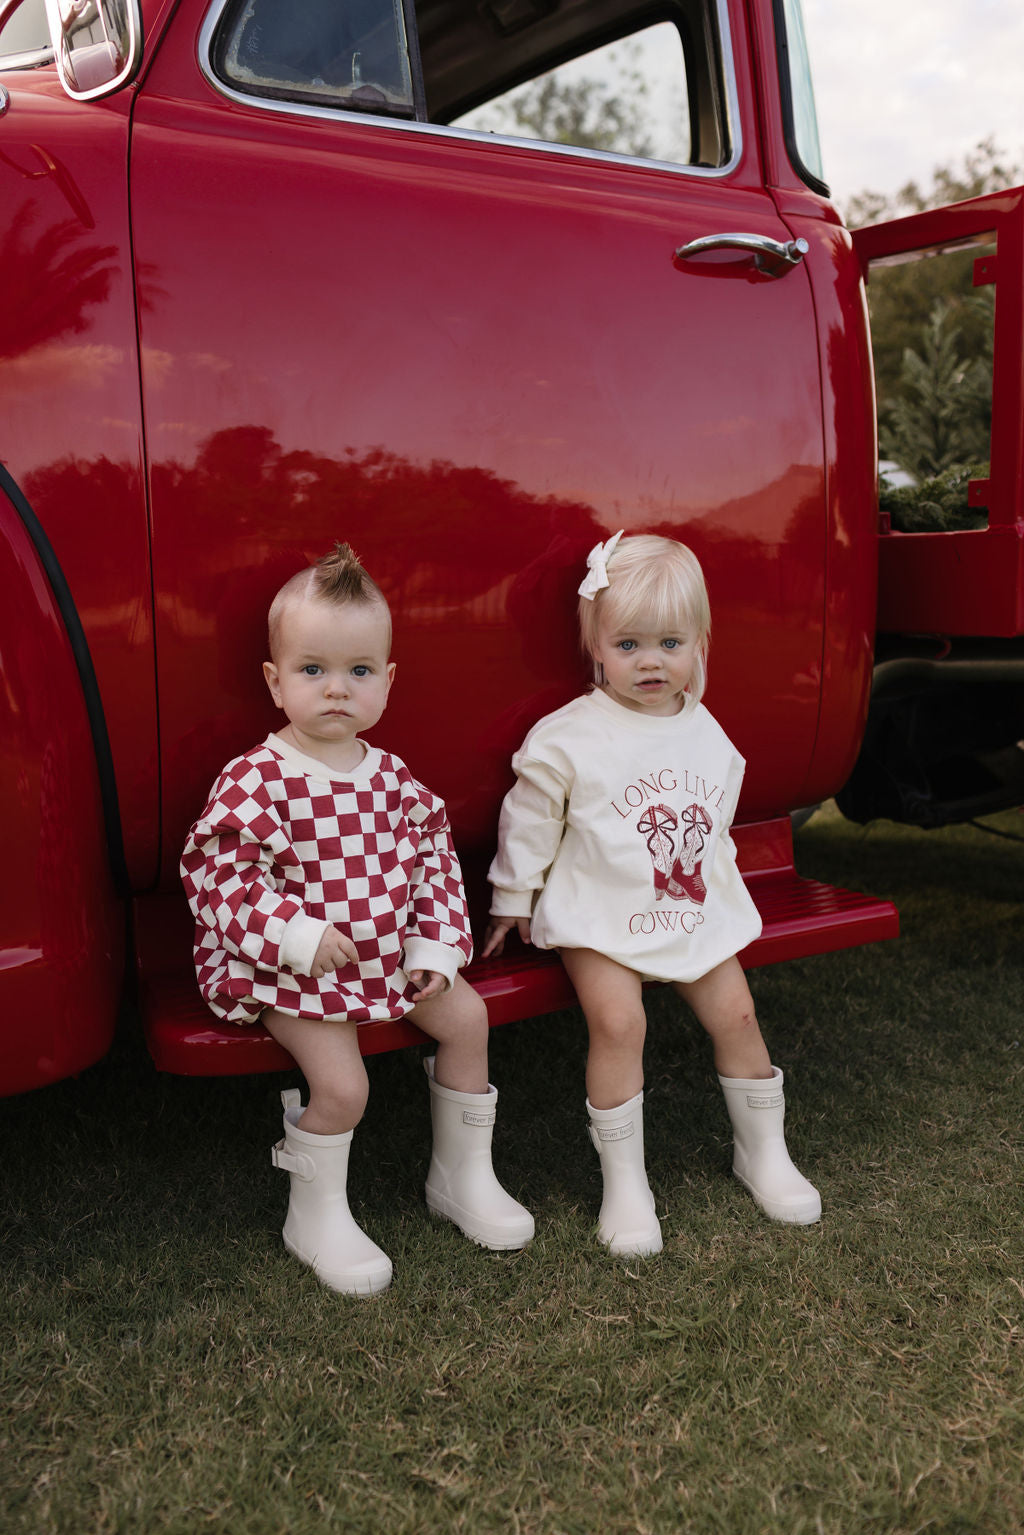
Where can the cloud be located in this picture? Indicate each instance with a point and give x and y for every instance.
(905, 85)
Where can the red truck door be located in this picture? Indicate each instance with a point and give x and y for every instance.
(472, 356)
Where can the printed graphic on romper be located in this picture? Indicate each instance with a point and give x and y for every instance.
(678, 843)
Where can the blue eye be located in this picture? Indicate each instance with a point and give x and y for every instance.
(670, 644)
(627, 645)
(360, 671)
(312, 670)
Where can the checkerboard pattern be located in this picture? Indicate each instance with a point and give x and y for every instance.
(374, 857)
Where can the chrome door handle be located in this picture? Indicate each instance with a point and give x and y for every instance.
(772, 257)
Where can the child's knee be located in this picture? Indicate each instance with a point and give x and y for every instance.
(734, 1021)
(342, 1097)
(471, 1013)
(621, 1028)
(458, 1016)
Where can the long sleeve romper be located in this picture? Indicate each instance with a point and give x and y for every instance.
(285, 847)
(615, 837)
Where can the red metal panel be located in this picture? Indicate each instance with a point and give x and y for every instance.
(69, 400)
(849, 543)
(970, 582)
(61, 926)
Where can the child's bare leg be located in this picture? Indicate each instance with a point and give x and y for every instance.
(724, 1007)
(457, 1019)
(319, 1228)
(761, 1161)
(327, 1054)
(610, 997)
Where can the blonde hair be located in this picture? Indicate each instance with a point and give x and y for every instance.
(654, 584)
(338, 578)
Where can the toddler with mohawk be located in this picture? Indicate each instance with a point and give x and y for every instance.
(327, 894)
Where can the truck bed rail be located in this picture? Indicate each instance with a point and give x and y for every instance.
(968, 582)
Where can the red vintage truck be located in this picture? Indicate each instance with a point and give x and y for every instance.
(266, 282)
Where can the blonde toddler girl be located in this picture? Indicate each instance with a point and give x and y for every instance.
(614, 848)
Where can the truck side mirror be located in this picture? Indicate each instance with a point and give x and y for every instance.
(97, 44)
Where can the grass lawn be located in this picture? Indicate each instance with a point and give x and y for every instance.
(168, 1368)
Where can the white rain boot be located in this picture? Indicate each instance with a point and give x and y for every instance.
(461, 1184)
(319, 1229)
(761, 1162)
(628, 1226)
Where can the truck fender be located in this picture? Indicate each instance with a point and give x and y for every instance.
(61, 915)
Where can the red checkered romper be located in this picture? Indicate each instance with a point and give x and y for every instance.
(287, 846)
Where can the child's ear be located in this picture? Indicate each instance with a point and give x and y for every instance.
(391, 676)
(273, 681)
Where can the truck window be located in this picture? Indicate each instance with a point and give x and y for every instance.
(352, 56)
(800, 117)
(591, 74)
(25, 37)
(628, 97)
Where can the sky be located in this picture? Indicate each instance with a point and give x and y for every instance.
(904, 85)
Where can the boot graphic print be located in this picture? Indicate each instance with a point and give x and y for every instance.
(657, 826)
(694, 825)
(677, 869)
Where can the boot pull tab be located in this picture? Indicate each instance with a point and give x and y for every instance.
(293, 1162)
(291, 1098)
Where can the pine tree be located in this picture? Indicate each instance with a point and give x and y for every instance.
(938, 420)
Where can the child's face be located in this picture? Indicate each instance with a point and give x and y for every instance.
(331, 676)
(647, 671)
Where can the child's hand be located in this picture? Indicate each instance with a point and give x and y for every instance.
(494, 938)
(430, 982)
(333, 951)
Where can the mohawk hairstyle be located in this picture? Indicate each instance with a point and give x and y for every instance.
(338, 578)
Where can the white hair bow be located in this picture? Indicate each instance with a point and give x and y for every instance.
(597, 567)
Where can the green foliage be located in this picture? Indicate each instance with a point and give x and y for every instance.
(902, 301)
(940, 418)
(936, 505)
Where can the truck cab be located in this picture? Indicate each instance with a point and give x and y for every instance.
(281, 272)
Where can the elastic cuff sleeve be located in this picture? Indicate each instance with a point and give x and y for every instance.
(425, 954)
(300, 941)
(511, 903)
